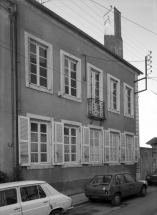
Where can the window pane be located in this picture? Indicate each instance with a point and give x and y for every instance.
(91, 157)
(66, 157)
(73, 132)
(66, 149)
(129, 178)
(73, 75)
(73, 148)
(96, 157)
(43, 157)
(34, 147)
(66, 72)
(29, 193)
(33, 68)
(43, 128)
(73, 140)
(73, 157)
(34, 157)
(41, 192)
(43, 138)
(34, 137)
(66, 140)
(43, 148)
(66, 90)
(66, 81)
(43, 72)
(73, 66)
(8, 197)
(73, 83)
(34, 127)
(33, 79)
(73, 92)
(33, 58)
(43, 62)
(43, 82)
(66, 63)
(42, 52)
(33, 48)
(66, 131)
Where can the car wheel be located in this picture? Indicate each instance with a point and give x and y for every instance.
(116, 199)
(143, 191)
(57, 212)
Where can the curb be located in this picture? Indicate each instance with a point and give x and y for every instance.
(80, 203)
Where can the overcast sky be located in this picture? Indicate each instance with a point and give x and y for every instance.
(137, 41)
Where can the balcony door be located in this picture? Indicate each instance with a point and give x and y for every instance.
(95, 85)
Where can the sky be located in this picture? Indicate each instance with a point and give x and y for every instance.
(139, 34)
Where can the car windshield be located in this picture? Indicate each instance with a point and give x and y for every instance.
(101, 179)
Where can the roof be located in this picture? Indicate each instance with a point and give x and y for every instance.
(153, 141)
(20, 183)
(81, 33)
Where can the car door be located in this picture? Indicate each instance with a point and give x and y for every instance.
(122, 185)
(9, 202)
(34, 200)
(133, 184)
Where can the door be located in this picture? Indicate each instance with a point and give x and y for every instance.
(34, 200)
(9, 203)
(133, 184)
(122, 185)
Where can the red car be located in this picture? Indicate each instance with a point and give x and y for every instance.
(114, 186)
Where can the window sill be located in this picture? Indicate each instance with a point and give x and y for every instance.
(112, 164)
(129, 116)
(45, 90)
(96, 164)
(40, 167)
(114, 111)
(61, 94)
(71, 165)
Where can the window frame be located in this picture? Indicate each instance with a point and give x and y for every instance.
(131, 115)
(132, 147)
(109, 78)
(118, 146)
(62, 93)
(49, 88)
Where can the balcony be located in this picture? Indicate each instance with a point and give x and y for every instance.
(96, 109)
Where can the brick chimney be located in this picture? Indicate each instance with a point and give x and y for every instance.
(112, 36)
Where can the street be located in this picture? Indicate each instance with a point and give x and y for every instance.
(134, 205)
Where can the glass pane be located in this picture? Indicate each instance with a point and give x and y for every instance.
(33, 48)
(73, 140)
(96, 134)
(66, 158)
(33, 79)
(73, 83)
(96, 142)
(42, 52)
(73, 149)
(66, 131)
(92, 149)
(43, 157)
(43, 82)
(73, 75)
(91, 142)
(43, 72)
(97, 77)
(43, 62)
(66, 81)
(34, 127)
(73, 157)
(91, 157)
(66, 72)
(33, 68)
(73, 66)
(43, 138)
(34, 147)
(73, 132)
(66, 90)
(43, 147)
(73, 92)
(41, 192)
(66, 63)
(10, 197)
(97, 157)
(33, 58)
(66, 148)
(29, 193)
(34, 137)
(34, 157)
(66, 140)
(43, 128)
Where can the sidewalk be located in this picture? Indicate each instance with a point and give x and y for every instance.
(79, 199)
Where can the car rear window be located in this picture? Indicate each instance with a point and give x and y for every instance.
(8, 197)
(101, 179)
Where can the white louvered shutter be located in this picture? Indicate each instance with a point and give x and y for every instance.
(136, 149)
(24, 141)
(59, 143)
(106, 151)
(86, 145)
(123, 148)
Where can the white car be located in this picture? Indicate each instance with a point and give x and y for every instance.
(32, 198)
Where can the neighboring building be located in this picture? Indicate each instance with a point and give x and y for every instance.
(78, 114)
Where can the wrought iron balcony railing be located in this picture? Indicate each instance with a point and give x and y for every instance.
(96, 109)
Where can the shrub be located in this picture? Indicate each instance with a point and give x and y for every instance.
(3, 177)
(17, 173)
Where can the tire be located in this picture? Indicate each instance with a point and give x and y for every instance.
(143, 191)
(116, 199)
(56, 212)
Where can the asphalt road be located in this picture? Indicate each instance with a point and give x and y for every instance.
(134, 205)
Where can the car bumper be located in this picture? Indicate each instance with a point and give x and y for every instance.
(99, 196)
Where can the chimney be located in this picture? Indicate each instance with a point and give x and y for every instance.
(112, 35)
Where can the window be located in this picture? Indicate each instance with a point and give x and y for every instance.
(8, 197)
(121, 179)
(129, 178)
(39, 142)
(128, 101)
(70, 144)
(70, 73)
(38, 63)
(114, 146)
(113, 94)
(94, 146)
(129, 148)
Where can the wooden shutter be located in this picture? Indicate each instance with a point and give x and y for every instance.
(123, 148)
(59, 143)
(136, 149)
(24, 140)
(106, 151)
(86, 145)
(118, 96)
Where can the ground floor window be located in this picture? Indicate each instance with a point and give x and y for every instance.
(114, 146)
(129, 148)
(94, 146)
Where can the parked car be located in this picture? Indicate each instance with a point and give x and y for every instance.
(114, 186)
(152, 178)
(32, 198)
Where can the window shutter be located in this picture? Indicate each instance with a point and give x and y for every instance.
(78, 80)
(106, 151)
(24, 141)
(132, 102)
(59, 143)
(123, 148)
(62, 90)
(108, 92)
(86, 145)
(136, 149)
(125, 100)
(118, 96)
